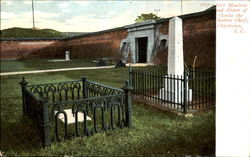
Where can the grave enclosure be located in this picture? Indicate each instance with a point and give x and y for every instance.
(75, 108)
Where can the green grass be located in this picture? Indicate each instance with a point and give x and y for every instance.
(43, 64)
(154, 132)
(17, 32)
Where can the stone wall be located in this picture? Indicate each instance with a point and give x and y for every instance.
(146, 30)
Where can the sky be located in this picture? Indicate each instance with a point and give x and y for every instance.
(89, 16)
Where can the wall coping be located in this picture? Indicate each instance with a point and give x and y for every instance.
(148, 22)
(95, 33)
(30, 39)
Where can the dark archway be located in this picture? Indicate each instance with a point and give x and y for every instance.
(142, 44)
(163, 43)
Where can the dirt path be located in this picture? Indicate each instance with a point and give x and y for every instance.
(52, 70)
(66, 69)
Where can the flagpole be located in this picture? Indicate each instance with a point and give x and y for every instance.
(33, 14)
(181, 8)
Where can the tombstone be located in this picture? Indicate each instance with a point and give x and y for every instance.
(67, 55)
(174, 89)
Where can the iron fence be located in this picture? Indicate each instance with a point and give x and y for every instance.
(194, 90)
(75, 108)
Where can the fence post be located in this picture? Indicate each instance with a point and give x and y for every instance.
(84, 88)
(128, 107)
(130, 74)
(185, 92)
(45, 123)
(23, 84)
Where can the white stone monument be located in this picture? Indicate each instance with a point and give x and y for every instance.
(174, 89)
(67, 57)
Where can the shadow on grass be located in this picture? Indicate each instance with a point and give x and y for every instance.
(20, 135)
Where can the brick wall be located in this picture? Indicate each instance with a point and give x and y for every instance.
(97, 46)
(164, 28)
(21, 49)
(200, 40)
(52, 51)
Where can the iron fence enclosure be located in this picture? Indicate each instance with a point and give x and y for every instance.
(192, 91)
(102, 108)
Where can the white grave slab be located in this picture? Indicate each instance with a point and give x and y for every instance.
(67, 55)
(175, 64)
(71, 117)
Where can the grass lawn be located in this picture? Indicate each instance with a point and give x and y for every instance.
(43, 64)
(154, 132)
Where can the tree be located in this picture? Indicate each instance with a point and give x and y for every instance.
(145, 17)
